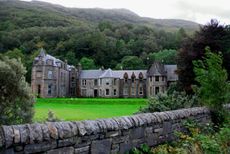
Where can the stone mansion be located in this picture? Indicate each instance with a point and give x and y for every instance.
(52, 77)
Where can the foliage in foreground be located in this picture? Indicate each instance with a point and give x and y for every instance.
(169, 101)
(214, 35)
(201, 140)
(213, 90)
(16, 99)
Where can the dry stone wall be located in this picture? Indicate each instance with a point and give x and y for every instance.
(114, 135)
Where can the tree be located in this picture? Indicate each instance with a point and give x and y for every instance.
(16, 53)
(164, 56)
(16, 99)
(71, 58)
(214, 35)
(132, 62)
(213, 88)
(87, 63)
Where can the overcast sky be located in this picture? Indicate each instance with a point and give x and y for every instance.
(200, 11)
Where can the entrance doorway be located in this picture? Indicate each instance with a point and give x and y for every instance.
(95, 93)
(39, 90)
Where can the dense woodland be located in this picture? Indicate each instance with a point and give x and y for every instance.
(117, 39)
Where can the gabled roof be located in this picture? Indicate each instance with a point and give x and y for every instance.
(156, 68)
(107, 74)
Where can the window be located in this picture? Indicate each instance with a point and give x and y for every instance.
(83, 82)
(156, 78)
(151, 91)
(49, 89)
(49, 62)
(95, 82)
(133, 80)
(126, 80)
(163, 78)
(72, 79)
(151, 79)
(114, 82)
(100, 81)
(140, 90)
(157, 90)
(83, 92)
(133, 90)
(107, 81)
(107, 92)
(50, 74)
(115, 92)
(72, 91)
(125, 91)
(38, 74)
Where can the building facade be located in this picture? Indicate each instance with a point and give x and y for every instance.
(52, 77)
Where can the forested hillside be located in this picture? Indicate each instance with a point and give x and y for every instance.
(95, 37)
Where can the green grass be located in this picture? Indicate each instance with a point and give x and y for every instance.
(86, 108)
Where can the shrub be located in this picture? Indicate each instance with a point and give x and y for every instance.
(16, 99)
(52, 117)
(164, 102)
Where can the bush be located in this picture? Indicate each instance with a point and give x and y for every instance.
(16, 99)
(52, 117)
(165, 102)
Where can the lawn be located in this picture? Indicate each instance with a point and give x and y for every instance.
(86, 108)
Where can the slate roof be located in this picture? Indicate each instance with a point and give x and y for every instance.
(156, 69)
(91, 74)
(56, 61)
(94, 74)
(120, 73)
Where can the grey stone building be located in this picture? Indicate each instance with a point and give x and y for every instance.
(52, 77)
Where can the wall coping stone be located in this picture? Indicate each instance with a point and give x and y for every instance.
(41, 132)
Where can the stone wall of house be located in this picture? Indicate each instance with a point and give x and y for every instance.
(115, 135)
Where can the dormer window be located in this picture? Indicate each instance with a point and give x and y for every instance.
(140, 76)
(126, 77)
(49, 62)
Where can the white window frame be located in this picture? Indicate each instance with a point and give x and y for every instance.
(115, 92)
(83, 82)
